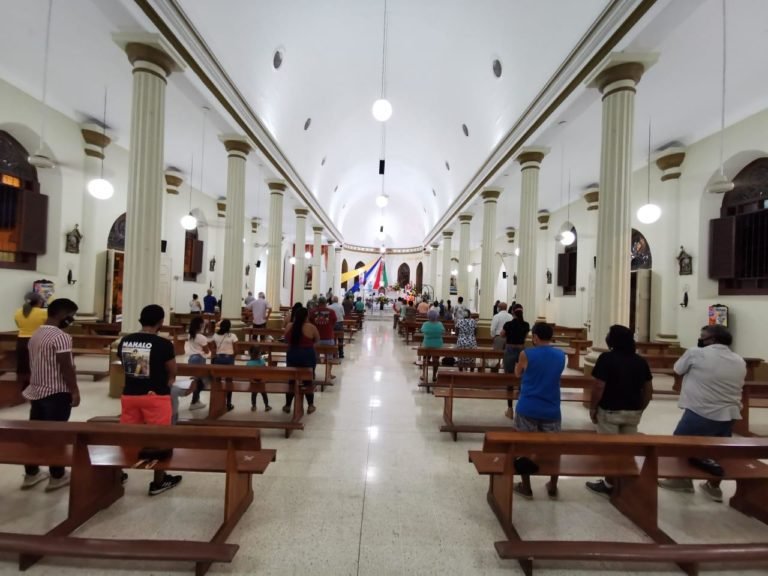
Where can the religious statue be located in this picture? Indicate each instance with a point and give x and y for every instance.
(549, 276)
(685, 261)
(212, 264)
(247, 269)
(73, 241)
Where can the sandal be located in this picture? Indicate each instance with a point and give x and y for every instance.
(520, 489)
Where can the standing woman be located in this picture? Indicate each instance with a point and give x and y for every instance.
(28, 318)
(514, 332)
(466, 329)
(197, 350)
(225, 351)
(301, 336)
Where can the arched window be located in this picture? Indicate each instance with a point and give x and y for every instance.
(738, 240)
(344, 270)
(566, 267)
(419, 277)
(23, 210)
(116, 238)
(640, 252)
(404, 274)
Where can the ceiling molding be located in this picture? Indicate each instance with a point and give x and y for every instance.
(616, 20)
(178, 30)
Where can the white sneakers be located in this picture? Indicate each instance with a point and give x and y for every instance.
(31, 480)
(197, 406)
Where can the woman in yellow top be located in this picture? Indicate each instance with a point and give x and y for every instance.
(28, 318)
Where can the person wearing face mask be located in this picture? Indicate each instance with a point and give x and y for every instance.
(52, 389)
(713, 377)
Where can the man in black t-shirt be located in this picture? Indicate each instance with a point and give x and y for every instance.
(149, 363)
(622, 390)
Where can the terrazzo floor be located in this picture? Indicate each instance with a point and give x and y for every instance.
(370, 487)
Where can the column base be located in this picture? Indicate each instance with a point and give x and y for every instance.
(275, 320)
(591, 358)
(671, 338)
(484, 328)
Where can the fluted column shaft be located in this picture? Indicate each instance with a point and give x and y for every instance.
(530, 164)
(464, 261)
(332, 275)
(299, 269)
(670, 163)
(614, 225)
(490, 199)
(433, 268)
(275, 260)
(144, 212)
(510, 264)
(237, 152)
(317, 254)
(445, 283)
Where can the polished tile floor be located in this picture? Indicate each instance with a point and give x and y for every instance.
(370, 487)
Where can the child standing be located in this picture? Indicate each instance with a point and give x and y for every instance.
(257, 360)
(225, 351)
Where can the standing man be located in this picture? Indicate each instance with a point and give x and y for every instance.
(538, 408)
(339, 326)
(209, 303)
(459, 307)
(423, 307)
(713, 377)
(497, 326)
(324, 319)
(249, 299)
(260, 311)
(149, 362)
(348, 305)
(52, 389)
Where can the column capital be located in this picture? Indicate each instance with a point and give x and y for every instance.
(621, 71)
(669, 162)
(592, 197)
(173, 180)
(434, 247)
(447, 233)
(331, 242)
(236, 145)
(221, 206)
(531, 157)
(465, 217)
(491, 194)
(95, 140)
(277, 186)
(543, 217)
(510, 232)
(255, 223)
(338, 249)
(301, 212)
(317, 229)
(150, 52)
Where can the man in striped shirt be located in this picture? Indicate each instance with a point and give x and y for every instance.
(52, 389)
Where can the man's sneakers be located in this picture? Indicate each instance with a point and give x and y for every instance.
(677, 484)
(197, 405)
(713, 492)
(167, 483)
(56, 483)
(31, 480)
(600, 488)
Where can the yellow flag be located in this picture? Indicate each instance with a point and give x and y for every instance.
(355, 273)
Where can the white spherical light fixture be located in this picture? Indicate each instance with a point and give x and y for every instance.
(307, 255)
(470, 268)
(567, 237)
(101, 189)
(648, 213)
(517, 251)
(454, 272)
(720, 185)
(188, 222)
(292, 260)
(382, 249)
(382, 110)
(382, 200)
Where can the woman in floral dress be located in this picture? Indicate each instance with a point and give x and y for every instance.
(466, 328)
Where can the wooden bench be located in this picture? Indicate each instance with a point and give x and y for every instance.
(752, 365)
(225, 379)
(753, 395)
(452, 386)
(97, 453)
(428, 355)
(636, 462)
(482, 341)
(326, 356)
(651, 348)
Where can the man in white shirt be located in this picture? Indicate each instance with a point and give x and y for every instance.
(497, 325)
(249, 299)
(713, 378)
(339, 310)
(260, 311)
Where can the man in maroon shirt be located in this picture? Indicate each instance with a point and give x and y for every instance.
(324, 319)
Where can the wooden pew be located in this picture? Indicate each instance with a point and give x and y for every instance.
(97, 453)
(482, 341)
(636, 461)
(753, 395)
(426, 355)
(752, 365)
(326, 355)
(651, 348)
(452, 386)
(273, 380)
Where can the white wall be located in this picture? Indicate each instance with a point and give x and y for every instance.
(745, 142)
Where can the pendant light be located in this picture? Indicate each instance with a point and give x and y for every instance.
(721, 184)
(567, 237)
(101, 188)
(40, 159)
(189, 222)
(649, 213)
(382, 109)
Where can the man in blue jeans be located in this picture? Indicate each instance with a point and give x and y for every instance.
(538, 408)
(713, 377)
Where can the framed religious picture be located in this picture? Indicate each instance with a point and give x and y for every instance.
(685, 262)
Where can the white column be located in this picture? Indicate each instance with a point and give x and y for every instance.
(614, 225)
(331, 273)
(588, 246)
(490, 198)
(667, 230)
(317, 253)
(543, 290)
(530, 164)
(237, 152)
(463, 279)
(95, 144)
(445, 281)
(141, 279)
(433, 268)
(509, 263)
(299, 269)
(275, 246)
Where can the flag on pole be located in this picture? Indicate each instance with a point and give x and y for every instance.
(370, 271)
(384, 275)
(377, 282)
